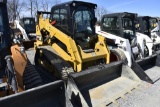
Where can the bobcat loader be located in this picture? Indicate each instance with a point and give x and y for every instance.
(133, 47)
(150, 26)
(20, 83)
(26, 27)
(68, 48)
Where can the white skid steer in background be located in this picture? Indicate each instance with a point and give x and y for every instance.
(133, 47)
(149, 26)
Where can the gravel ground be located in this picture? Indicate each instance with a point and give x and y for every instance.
(30, 53)
(147, 95)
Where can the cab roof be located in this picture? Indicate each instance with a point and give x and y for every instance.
(74, 2)
(121, 14)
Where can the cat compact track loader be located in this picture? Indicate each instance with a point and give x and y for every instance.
(150, 26)
(135, 48)
(68, 48)
(20, 82)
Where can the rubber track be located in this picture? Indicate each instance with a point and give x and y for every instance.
(31, 77)
(52, 56)
(47, 77)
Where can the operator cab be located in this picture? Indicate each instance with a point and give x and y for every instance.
(28, 23)
(147, 25)
(77, 19)
(120, 24)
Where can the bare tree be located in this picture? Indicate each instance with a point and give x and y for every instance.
(44, 5)
(30, 6)
(33, 6)
(55, 2)
(15, 8)
(99, 12)
(47, 4)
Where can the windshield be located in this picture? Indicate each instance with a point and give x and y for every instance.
(128, 28)
(1, 21)
(83, 22)
(111, 25)
(83, 26)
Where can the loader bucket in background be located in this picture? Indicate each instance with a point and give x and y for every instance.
(148, 69)
(49, 95)
(102, 85)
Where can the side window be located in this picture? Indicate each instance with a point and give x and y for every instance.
(60, 18)
(1, 21)
(153, 23)
(63, 16)
(111, 23)
(145, 25)
(127, 23)
(60, 15)
(56, 16)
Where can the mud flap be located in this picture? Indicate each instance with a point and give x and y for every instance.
(101, 85)
(148, 69)
(49, 95)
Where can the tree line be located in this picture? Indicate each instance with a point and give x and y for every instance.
(19, 8)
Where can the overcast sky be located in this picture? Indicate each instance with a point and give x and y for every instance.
(142, 7)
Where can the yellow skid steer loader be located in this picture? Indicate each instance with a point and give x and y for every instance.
(69, 49)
